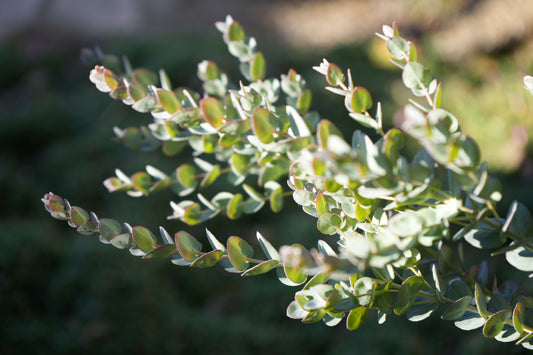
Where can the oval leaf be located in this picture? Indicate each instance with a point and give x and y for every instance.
(213, 111)
(262, 125)
(356, 318)
(188, 247)
(495, 323)
(208, 259)
(238, 252)
(144, 239)
(361, 99)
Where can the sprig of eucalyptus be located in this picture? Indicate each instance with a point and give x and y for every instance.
(395, 226)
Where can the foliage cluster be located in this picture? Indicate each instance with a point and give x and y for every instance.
(398, 223)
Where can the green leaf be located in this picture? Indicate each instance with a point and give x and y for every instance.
(144, 239)
(193, 214)
(416, 77)
(209, 143)
(261, 268)
(263, 125)
(482, 238)
(235, 32)
(398, 47)
(78, 216)
(122, 241)
(213, 111)
(238, 252)
(276, 196)
(161, 252)
(329, 223)
(363, 290)
(109, 228)
(408, 293)
(136, 91)
(211, 176)
(457, 309)
(448, 261)
(334, 75)
(523, 318)
(356, 318)
(188, 247)
(481, 302)
(293, 269)
(364, 120)
(465, 153)
(88, 228)
(325, 129)
(141, 182)
(234, 207)
(314, 316)
(321, 204)
(495, 323)
(361, 99)
(145, 77)
(171, 148)
(168, 101)
(258, 67)
(186, 175)
(208, 259)
(458, 289)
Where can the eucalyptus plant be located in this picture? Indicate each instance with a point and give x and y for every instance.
(394, 226)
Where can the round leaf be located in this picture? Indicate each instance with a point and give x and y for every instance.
(213, 111)
(495, 323)
(334, 75)
(144, 239)
(161, 252)
(262, 124)
(407, 294)
(361, 99)
(208, 259)
(238, 252)
(188, 247)
(416, 76)
(109, 228)
(258, 67)
(356, 318)
(329, 223)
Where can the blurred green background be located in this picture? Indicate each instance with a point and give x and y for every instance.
(61, 293)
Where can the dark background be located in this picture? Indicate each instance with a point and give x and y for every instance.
(61, 293)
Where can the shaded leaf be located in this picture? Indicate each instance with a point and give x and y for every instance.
(495, 323)
(457, 309)
(161, 252)
(261, 268)
(408, 293)
(208, 259)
